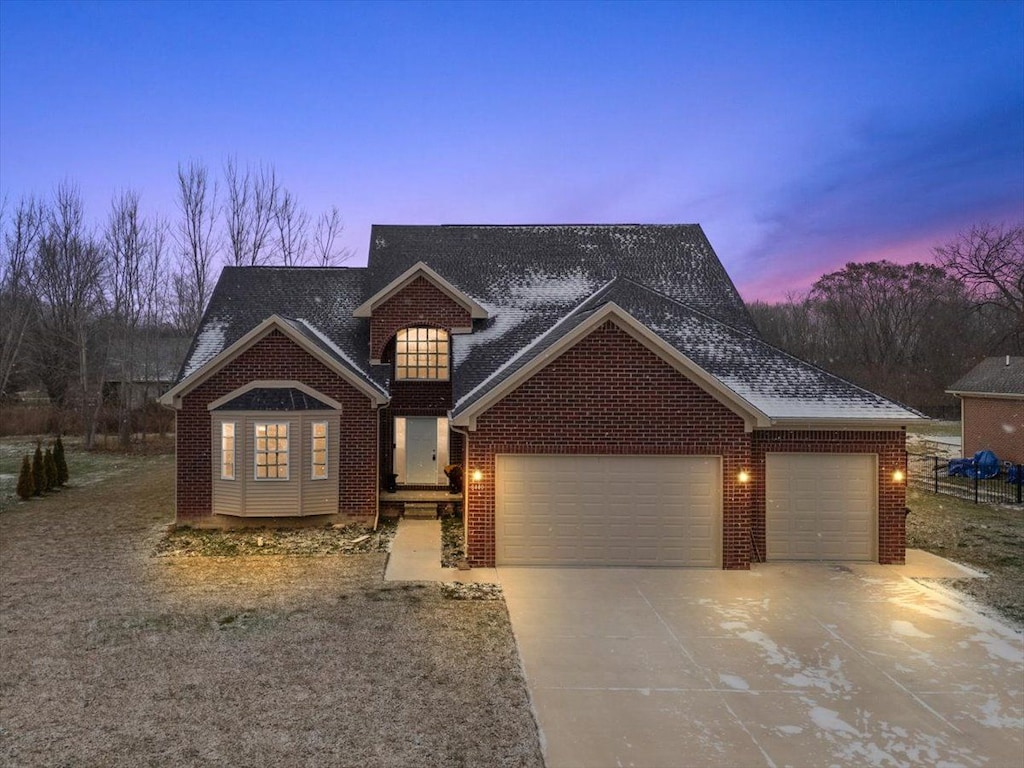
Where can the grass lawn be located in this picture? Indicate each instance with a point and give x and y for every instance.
(985, 536)
(113, 656)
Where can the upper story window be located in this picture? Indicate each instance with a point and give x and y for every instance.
(272, 451)
(421, 353)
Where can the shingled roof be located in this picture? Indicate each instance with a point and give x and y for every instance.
(537, 283)
(1002, 375)
(778, 385)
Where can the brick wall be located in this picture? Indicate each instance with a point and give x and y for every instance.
(609, 395)
(275, 356)
(891, 450)
(994, 424)
(418, 303)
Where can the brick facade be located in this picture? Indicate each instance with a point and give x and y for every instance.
(419, 303)
(890, 448)
(275, 356)
(609, 394)
(993, 424)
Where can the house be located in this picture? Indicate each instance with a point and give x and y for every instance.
(992, 408)
(604, 388)
(143, 370)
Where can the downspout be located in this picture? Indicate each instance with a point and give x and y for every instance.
(465, 479)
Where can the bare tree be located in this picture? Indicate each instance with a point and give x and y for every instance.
(327, 250)
(989, 260)
(249, 211)
(292, 230)
(17, 300)
(195, 236)
(129, 252)
(69, 274)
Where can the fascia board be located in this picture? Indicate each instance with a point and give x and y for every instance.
(849, 424)
(961, 393)
(421, 269)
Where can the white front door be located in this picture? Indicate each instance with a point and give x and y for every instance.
(421, 450)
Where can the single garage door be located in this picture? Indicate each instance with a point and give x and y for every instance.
(821, 506)
(608, 510)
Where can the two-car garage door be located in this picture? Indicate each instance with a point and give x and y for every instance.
(608, 510)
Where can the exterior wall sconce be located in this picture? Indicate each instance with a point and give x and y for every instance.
(743, 476)
(476, 476)
(898, 476)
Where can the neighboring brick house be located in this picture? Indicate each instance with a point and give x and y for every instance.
(992, 408)
(603, 387)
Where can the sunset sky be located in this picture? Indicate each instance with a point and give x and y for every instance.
(800, 135)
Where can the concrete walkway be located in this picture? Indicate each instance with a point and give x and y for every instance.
(788, 664)
(416, 556)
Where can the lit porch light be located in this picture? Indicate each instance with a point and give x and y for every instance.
(743, 476)
(476, 476)
(898, 476)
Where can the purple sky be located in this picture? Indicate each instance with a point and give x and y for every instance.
(800, 135)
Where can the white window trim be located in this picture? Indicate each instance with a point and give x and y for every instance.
(312, 450)
(287, 452)
(447, 337)
(234, 450)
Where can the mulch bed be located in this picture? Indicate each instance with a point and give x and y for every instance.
(328, 540)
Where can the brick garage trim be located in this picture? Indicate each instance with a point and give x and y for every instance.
(889, 446)
(609, 394)
(993, 424)
(276, 356)
(420, 303)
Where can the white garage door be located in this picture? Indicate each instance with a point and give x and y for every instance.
(821, 506)
(608, 510)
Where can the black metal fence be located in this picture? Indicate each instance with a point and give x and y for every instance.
(966, 480)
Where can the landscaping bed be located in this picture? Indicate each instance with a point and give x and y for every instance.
(114, 657)
(327, 540)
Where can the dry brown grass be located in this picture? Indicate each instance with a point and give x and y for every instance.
(114, 657)
(986, 536)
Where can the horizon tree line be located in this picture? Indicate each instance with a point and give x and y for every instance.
(78, 299)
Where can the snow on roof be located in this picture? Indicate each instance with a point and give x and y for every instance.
(210, 342)
(537, 282)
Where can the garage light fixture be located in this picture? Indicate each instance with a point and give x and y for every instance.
(476, 476)
(898, 476)
(743, 476)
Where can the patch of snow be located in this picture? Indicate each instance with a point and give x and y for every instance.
(209, 344)
(789, 730)
(735, 682)
(829, 720)
(906, 629)
(338, 351)
(503, 320)
(993, 716)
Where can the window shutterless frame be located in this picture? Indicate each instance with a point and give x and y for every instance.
(318, 452)
(421, 354)
(270, 454)
(227, 450)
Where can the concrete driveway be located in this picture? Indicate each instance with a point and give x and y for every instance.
(784, 665)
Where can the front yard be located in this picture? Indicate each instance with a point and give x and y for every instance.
(114, 656)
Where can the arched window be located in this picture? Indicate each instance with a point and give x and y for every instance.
(421, 354)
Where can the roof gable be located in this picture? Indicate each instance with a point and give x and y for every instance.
(300, 333)
(420, 269)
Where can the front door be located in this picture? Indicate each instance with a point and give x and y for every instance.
(421, 451)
